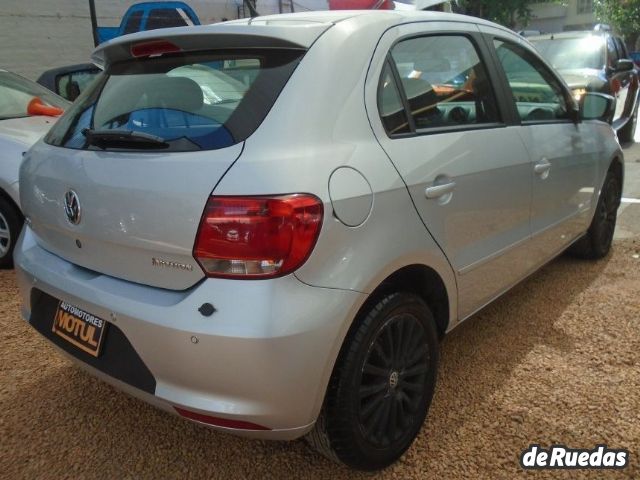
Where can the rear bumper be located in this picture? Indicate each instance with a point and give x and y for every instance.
(263, 357)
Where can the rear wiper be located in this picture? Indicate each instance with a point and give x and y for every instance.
(123, 139)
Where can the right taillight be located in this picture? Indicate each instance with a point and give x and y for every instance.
(257, 237)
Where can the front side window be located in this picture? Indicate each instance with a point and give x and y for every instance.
(612, 53)
(622, 49)
(166, 18)
(181, 102)
(16, 93)
(538, 95)
(445, 82)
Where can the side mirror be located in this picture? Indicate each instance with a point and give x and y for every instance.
(70, 85)
(596, 106)
(71, 81)
(624, 65)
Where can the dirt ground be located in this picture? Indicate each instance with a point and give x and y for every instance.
(554, 361)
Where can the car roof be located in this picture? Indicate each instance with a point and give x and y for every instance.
(290, 30)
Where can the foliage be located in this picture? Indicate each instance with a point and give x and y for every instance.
(505, 12)
(623, 15)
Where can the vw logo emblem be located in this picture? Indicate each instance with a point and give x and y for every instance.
(72, 207)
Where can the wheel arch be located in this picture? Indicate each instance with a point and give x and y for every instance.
(417, 278)
(5, 196)
(420, 280)
(617, 165)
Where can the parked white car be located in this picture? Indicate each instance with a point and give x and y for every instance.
(22, 122)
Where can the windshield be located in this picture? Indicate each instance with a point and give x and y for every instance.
(187, 102)
(573, 53)
(16, 93)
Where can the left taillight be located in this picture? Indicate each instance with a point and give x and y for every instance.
(257, 237)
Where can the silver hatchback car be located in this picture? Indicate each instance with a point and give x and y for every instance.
(267, 225)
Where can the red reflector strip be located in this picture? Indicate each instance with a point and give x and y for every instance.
(219, 422)
(157, 47)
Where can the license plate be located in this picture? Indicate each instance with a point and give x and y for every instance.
(79, 328)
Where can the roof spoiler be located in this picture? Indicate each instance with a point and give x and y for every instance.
(249, 34)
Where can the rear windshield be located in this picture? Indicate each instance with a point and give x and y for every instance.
(190, 102)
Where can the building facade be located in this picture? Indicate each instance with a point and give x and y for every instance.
(553, 17)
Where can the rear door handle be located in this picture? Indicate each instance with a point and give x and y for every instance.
(542, 167)
(438, 191)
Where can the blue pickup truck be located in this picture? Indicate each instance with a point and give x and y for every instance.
(150, 16)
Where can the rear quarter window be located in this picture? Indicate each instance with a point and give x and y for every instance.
(192, 102)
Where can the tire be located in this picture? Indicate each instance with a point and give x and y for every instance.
(596, 243)
(381, 386)
(10, 225)
(627, 133)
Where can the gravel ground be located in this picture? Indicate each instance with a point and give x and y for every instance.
(555, 360)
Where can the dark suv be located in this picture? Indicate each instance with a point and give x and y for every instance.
(596, 61)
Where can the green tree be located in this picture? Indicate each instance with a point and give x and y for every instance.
(624, 15)
(506, 12)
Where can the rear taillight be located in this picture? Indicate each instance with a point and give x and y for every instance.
(257, 237)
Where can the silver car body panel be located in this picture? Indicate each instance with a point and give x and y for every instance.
(17, 135)
(135, 208)
(256, 354)
(484, 224)
(267, 353)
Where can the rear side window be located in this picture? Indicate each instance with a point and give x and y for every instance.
(188, 102)
(167, 17)
(133, 23)
(538, 95)
(445, 82)
(392, 112)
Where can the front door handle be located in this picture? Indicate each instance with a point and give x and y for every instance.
(542, 167)
(438, 191)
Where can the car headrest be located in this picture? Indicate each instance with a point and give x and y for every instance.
(437, 65)
(177, 93)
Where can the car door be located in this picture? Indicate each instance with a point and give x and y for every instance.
(435, 112)
(618, 80)
(564, 152)
(627, 81)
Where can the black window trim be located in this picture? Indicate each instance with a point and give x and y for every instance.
(506, 87)
(389, 63)
(606, 49)
(621, 47)
(478, 43)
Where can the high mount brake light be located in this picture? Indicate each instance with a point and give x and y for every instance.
(150, 49)
(257, 237)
